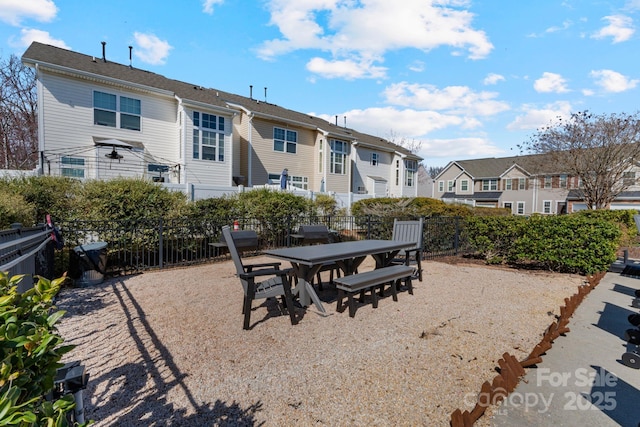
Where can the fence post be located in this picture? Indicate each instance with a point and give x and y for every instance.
(160, 244)
(456, 241)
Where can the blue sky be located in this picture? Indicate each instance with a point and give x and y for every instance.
(460, 78)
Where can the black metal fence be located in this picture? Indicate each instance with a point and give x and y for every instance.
(28, 251)
(134, 246)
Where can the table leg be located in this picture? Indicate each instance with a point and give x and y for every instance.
(305, 290)
(383, 259)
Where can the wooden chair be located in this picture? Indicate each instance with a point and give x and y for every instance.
(278, 285)
(409, 231)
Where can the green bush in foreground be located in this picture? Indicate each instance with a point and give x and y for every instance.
(30, 352)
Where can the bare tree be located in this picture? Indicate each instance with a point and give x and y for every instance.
(18, 115)
(598, 149)
(434, 170)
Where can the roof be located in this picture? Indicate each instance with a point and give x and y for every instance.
(480, 195)
(495, 167)
(65, 61)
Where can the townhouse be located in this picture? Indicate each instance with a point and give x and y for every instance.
(523, 184)
(98, 119)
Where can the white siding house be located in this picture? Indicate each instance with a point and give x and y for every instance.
(99, 120)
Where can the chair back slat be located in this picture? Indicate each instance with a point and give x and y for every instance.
(230, 240)
(408, 231)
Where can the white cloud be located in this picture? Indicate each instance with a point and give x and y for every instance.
(409, 123)
(459, 100)
(458, 149)
(612, 81)
(417, 66)
(358, 29)
(492, 79)
(347, 69)
(207, 5)
(551, 82)
(151, 49)
(30, 35)
(14, 11)
(535, 118)
(620, 28)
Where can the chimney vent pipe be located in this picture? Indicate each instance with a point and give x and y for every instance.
(104, 56)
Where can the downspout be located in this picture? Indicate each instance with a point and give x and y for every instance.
(249, 149)
(183, 162)
(40, 98)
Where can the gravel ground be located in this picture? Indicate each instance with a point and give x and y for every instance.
(167, 348)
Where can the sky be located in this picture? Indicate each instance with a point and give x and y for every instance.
(454, 79)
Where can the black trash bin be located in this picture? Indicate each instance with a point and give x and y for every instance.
(89, 263)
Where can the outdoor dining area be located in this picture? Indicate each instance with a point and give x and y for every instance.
(398, 261)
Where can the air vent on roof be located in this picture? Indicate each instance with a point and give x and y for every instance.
(130, 58)
(104, 55)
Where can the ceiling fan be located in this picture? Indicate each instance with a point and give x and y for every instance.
(114, 155)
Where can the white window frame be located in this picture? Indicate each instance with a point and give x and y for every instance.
(301, 182)
(375, 159)
(208, 136)
(320, 156)
(548, 181)
(441, 186)
(508, 184)
(73, 167)
(288, 143)
(510, 207)
(450, 185)
(563, 181)
(546, 206)
(125, 110)
(410, 169)
(464, 185)
(338, 157)
(629, 178)
(489, 185)
(520, 208)
(522, 183)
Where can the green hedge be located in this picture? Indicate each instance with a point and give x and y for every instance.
(569, 243)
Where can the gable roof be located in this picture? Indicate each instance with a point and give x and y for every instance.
(495, 167)
(65, 61)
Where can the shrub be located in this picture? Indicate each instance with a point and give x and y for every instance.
(129, 199)
(14, 208)
(55, 195)
(567, 243)
(31, 350)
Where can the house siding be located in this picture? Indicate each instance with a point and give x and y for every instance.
(364, 169)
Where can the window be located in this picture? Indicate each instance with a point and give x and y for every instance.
(547, 181)
(397, 172)
(320, 156)
(105, 112)
(72, 167)
(338, 157)
(411, 166)
(374, 159)
(208, 137)
(508, 205)
(129, 113)
(450, 185)
(522, 184)
(546, 206)
(104, 109)
(629, 178)
(507, 184)
(520, 208)
(464, 185)
(563, 181)
(489, 184)
(284, 140)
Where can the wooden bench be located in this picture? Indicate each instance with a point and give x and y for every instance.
(360, 282)
(245, 240)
